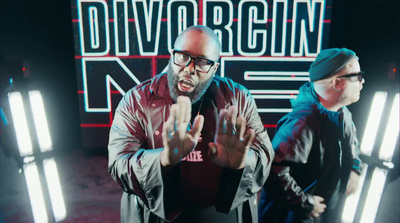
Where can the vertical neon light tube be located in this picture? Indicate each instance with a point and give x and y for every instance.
(39, 116)
(35, 193)
(367, 143)
(53, 183)
(50, 167)
(374, 119)
(391, 133)
(20, 124)
(25, 149)
(385, 153)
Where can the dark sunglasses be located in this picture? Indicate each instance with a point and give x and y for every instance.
(359, 75)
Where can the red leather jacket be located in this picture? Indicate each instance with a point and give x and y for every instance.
(136, 142)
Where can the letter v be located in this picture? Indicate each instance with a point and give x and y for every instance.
(148, 17)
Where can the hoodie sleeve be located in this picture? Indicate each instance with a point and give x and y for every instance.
(292, 144)
(350, 134)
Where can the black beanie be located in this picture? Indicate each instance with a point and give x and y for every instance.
(328, 62)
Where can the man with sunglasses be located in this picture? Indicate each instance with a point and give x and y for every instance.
(316, 147)
(187, 145)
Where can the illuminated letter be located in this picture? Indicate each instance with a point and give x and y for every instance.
(248, 43)
(148, 18)
(279, 20)
(93, 27)
(307, 24)
(98, 74)
(219, 18)
(121, 28)
(178, 14)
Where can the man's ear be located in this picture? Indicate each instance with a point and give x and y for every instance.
(336, 84)
(216, 67)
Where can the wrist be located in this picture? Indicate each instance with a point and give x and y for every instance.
(164, 160)
(166, 165)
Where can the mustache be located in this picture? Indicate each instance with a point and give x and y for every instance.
(198, 92)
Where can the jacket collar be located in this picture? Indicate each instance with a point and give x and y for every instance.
(159, 86)
(308, 98)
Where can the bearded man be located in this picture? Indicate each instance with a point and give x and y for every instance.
(189, 146)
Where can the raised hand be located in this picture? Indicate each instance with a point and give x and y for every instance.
(178, 139)
(232, 140)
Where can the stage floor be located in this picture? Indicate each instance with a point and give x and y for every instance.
(91, 196)
(89, 192)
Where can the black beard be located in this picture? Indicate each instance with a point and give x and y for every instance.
(194, 96)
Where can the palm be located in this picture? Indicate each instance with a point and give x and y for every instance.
(177, 139)
(231, 150)
(231, 146)
(180, 148)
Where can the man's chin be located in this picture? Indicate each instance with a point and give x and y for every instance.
(176, 93)
(355, 99)
(184, 93)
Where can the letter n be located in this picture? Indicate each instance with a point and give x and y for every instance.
(98, 75)
(307, 24)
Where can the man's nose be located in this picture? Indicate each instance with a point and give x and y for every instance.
(190, 68)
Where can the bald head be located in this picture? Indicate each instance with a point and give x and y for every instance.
(199, 38)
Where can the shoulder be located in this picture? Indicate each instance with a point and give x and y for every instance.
(226, 87)
(139, 95)
(155, 86)
(226, 82)
(294, 134)
(304, 114)
(298, 122)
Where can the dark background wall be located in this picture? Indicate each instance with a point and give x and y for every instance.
(40, 32)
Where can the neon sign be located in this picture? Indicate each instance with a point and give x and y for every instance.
(266, 45)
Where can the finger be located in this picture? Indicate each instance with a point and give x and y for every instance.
(212, 152)
(170, 123)
(169, 127)
(221, 122)
(183, 115)
(185, 109)
(197, 126)
(248, 137)
(230, 119)
(318, 199)
(240, 127)
(166, 136)
(234, 114)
